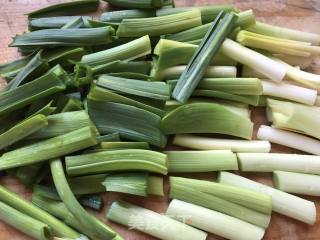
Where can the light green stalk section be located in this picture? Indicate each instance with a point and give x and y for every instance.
(87, 184)
(53, 22)
(112, 137)
(123, 145)
(201, 161)
(155, 186)
(118, 16)
(283, 203)
(163, 227)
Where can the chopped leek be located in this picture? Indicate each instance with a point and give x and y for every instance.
(118, 16)
(123, 145)
(137, 4)
(155, 185)
(11, 69)
(112, 137)
(118, 66)
(87, 184)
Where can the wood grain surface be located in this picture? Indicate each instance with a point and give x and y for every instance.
(299, 14)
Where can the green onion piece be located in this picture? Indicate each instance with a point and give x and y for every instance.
(117, 160)
(87, 184)
(281, 32)
(87, 221)
(62, 56)
(192, 195)
(65, 37)
(140, 218)
(298, 183)
(66, 103)
(66, 8)
(22, 130)
(130, 183)
(28, 174)
(11, 69)
(52, 22)
(24, 223)
(30, 92)
(294, 116)
(213, 222)
(283, 203)
(76, 23)
(118, 66)
(286, 90)
(118, 16)
(201, 161)
(210, 118)
(206, 143)
(128, 51)
(209, 46)
(130, 122)
(35, 67)
(155, 186)
(211, 72)
(136, 4)
(26, 207)
(123, 145)
(97, 93)
(156, 26)
(63, 123)
(50, 148)
(247, 198)
(289, 139)
(269, 162)
(245, 19)
(155, 90)
(94, 201)
(270, 68)
(112, 137)
(36, 108)
(208, 13)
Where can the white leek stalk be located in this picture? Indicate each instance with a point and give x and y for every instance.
(213, 222)
(269, 162)
(206, 143)
(259, 62)
(289, 139)
(302, 62)
(289, 91)
(298, 183)
(283, 203)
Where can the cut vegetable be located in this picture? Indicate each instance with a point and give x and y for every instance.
(155, 186)
(123, 145)
(87, 184)
(283, 203)
(137, 4)
(118, 16)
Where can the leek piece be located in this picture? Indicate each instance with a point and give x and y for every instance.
(209, 46)
(130, 122)
(94, 201)
(247, 198)
(211, 72)
(294, 116)
(35, 67)
(213, 222)
(22, 130)
(28, 174)
(124, 145)
(112, 137)
(48, 149)
(288, 91)
(270, 68)
(144, 4)
(129, 51)
(137, 76)
(63, 55)
(152, 223)
(36, 109)
(118, 66)
(210, 118)
(156, 26)
(269, 162)
(249, 72)
(208, 13)
(302, 62)
(76, 23)
(11, 69)
(97, 93)
(62, 123)
(155, 186)
(26, 207)
(65, 37)
(130, 183)
(117, 160)
(66, 103)
(87, 221)
(87, 184)
(118, 16)
(298, 183)
(155, 90)
(206, 143)
(24, 223)
(69, 7)
(52, 22)
(281, 32)
(283, 203)
(30, 92)
(201, 161)
(289, 139)
(192, 195)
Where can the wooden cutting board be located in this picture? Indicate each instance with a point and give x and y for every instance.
(299, 14)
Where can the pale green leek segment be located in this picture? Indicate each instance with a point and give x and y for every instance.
(213, 222)
(118, 16)
(123, 145)
(163, 227)
(141, 4)
(283, 203)
(87, 184)
(155, 186)
(201, 161)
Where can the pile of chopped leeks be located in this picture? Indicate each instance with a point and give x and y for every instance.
(93, 104)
